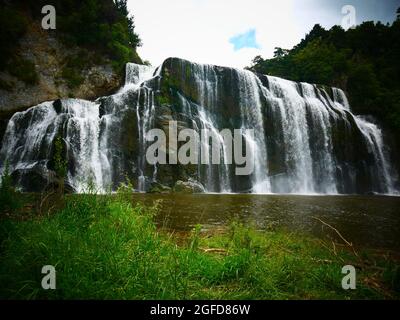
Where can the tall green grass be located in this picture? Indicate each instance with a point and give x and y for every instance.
(106, 247)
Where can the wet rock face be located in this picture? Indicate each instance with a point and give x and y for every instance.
(306, 140)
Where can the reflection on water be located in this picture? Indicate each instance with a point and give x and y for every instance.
(372, 221)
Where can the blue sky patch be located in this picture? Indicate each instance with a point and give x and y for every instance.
(245, 40)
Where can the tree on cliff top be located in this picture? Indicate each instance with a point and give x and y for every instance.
(101, 26)
(363, 61)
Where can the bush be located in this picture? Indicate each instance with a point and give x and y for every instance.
(13, 25)
(104, 26)
(9, 198)
(100, 26)
(72, 77)
(23, 70)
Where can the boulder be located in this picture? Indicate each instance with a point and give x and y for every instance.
(190, 186)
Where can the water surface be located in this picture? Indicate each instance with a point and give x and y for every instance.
(369, 221)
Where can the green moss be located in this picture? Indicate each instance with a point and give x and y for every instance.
(74, 67)
(162, 99)
(188, 70)
(23, 70)
(72, 77)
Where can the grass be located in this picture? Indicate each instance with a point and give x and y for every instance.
(108, 247)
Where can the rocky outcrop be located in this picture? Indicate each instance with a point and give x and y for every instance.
(50, 58)
(190, 186)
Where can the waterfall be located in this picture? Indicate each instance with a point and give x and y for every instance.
(291, 108)
(83, 140)
(306, 139)
(382, 166)
(26, 147)
(324, 169)
(135, 82)
(28, 141)
(214, 179)
(251, 116)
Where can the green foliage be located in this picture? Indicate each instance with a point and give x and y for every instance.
(12, 27)
(9, 200)
(72, 70)
(60, 164)
(105, 247)
(72, 76)
(103, 27)
(279, 52)
(24, 70)
(363, 61)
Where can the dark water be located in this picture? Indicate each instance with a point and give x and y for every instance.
(368, 221)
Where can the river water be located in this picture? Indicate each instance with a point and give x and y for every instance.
(366, 221)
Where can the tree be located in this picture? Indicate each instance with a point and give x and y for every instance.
(362, 61)
(279, 52)
(257, 60)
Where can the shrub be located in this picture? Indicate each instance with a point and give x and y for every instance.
(23, 70)
(60, 164)
(9, 200)
(72, 77)
(13, 25)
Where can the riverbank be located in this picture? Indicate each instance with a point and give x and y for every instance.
(108, 248)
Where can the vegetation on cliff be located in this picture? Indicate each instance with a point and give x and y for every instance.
(363, 61)
(100, 27)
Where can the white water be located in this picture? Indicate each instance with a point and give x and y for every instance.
(136, 76)
(373, 136)
(250, 105)
(291, 106)
(298, 156)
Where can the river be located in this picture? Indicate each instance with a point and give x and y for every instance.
(366, 221)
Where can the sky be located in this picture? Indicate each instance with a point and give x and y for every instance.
(232, 32)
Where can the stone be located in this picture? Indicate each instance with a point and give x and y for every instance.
(190, 186)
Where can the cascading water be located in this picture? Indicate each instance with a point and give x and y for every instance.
(135, 84)
(251, 116)
(306, 140)
(206, 81)
(375, 144)
(86, 133)
(340, 99)
(136, 75)
(289, 106)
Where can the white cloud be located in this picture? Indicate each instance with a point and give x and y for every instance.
(199, 30)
